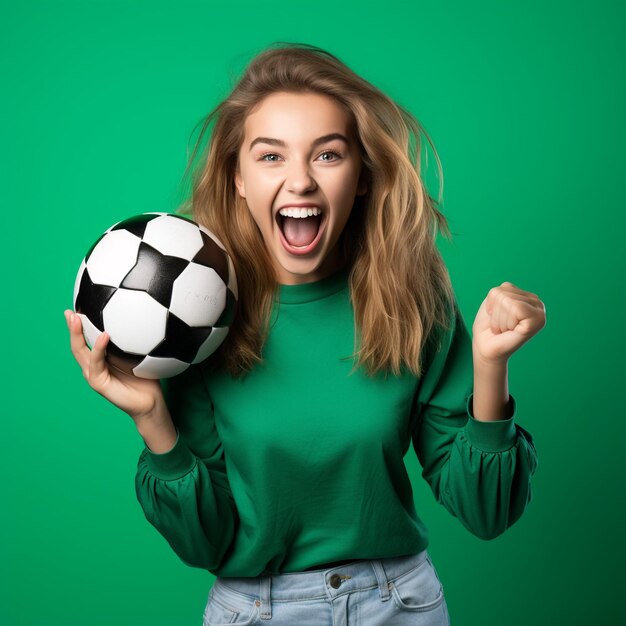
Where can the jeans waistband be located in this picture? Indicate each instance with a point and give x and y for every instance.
(328, 583)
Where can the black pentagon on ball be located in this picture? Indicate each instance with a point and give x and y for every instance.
(154, 273)
(211, 255)
(227, 316)
(181, 341)
(92, 298)
(135, 225)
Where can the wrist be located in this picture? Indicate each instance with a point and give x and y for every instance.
(159, 438)
(157, 430)
(157, 415)
(489, 364)
(491, 393)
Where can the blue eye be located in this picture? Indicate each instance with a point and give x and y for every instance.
(264, 156)
(331, 152)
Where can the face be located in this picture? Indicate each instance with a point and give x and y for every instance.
(300, 149)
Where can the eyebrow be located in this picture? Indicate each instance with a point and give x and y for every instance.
(279, 142)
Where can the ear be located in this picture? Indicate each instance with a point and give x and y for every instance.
(239, 184)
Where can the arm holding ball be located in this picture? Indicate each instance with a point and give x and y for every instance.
(141, 398)
(181, 482)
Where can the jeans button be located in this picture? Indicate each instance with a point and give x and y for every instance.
(335, 581)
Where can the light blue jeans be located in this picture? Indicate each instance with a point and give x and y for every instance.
(385, 592)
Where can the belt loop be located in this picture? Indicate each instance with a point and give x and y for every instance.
(383, 585)
(265, 594)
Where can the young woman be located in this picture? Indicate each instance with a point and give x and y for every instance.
(277, 465)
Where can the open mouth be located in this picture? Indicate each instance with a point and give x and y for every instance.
(300, 235)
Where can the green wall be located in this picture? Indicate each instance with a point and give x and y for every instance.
(525, 104)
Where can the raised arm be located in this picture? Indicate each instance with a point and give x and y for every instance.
(479, 471)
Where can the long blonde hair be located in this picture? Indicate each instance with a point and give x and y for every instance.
(399, 285)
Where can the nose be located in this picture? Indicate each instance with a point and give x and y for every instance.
(299, 178)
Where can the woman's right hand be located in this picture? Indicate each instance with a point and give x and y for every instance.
(141, 398)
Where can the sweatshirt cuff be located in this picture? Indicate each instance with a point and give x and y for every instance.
(496, 436)
(172, 464)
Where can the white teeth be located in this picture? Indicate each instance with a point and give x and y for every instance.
(299, 211)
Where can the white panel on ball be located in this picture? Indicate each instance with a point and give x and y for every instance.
(198, 296)
(135, 321)
(173, 236)
(211, 343)
(90, 332)
(113, 257)
(159, 367)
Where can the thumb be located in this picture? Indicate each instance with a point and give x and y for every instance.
(98, 370)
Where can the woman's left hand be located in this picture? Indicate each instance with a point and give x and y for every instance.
(507, 319)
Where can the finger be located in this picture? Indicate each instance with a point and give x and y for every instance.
(78, 345)
(500, 296)
(98, 369)
(517, 292)
(501, 313)
(498, 318)
(510, 312)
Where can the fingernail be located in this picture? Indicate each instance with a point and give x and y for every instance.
(72, 318)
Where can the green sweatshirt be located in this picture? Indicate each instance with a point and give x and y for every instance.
(300, 463)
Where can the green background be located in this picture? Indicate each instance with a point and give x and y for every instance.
(525, 103)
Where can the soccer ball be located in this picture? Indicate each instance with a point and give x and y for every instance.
(163, 288)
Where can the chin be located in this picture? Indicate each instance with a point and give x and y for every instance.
(299, 274)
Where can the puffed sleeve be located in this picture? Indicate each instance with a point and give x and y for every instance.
(479, 471)
(185, 493)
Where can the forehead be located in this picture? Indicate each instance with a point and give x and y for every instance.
(286, 115)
